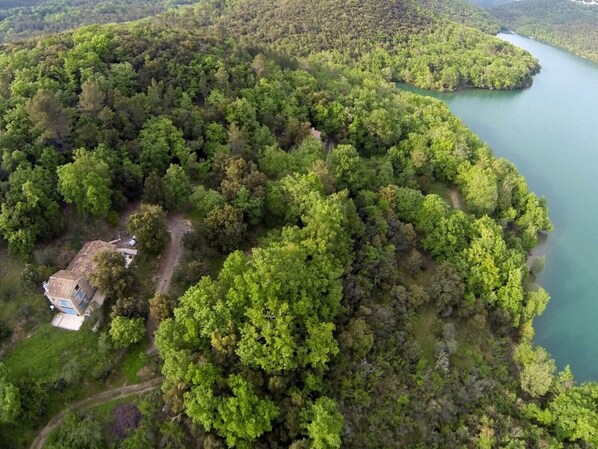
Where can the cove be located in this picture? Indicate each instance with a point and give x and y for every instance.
(550, 131)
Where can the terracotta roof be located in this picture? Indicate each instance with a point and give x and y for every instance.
(83, 262)
(315, 133)
(62, 283)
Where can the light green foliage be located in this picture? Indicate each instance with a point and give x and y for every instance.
(480, 190)
(277, 163)
(537, 369)
(176, 187)
(10, 402)
(465, 57)
(205, 200)
(575, 415)
(161, 144)
(251, 353)
(325, 424)
(406, 41)
(346, 166)
(493, 271)
(273, 312)
(149, 228)
(293, 195)
(562, 23)
(126, 331)
(86, 182)
(243, 416)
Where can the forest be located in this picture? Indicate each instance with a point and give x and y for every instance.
(26, 18)
(356, 274)
(563, 23)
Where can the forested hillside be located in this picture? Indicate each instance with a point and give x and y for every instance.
(26, 18)
(405, 40)
(356, 274)
(491, 3)
(563, 23)
(463, 11)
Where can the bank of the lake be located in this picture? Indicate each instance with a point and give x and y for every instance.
(550, 131)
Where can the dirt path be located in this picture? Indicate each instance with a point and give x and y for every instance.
(178, 226)
(105, 396)
(456, 199)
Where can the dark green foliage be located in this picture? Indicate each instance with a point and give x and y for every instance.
(225, 228)
(406, 42)
(111, 276)
(325, 330)
(10, 398)
(563, 23)
(25, 18)
(77, 432)
(149, 228)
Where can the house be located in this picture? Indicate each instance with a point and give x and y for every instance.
(316, 134)
(69, 290)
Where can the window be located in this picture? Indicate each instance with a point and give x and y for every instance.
(68, 311)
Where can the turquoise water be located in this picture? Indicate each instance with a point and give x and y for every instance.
(550, 131)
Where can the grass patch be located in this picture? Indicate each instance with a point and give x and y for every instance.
(21, 307)
(133, 360)
(44, 355)
(423, 330)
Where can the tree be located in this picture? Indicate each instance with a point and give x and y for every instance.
(10, 400)
(446, 288)
(537, 373)
(30, 211)
(324, 424)
(480, 189)
(86, 182)
(91, 98)
(126, 331)
(160, 307)
(347, 167)
(77, 432)
(126, 418)
(536, 304)
(161, 144)
(153, 190)
(48, 116)
(149, 228)
(111, 276)
(205, 200)
(225, 228)
(176, 187)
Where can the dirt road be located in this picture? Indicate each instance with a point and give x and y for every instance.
(105, 396)
(178, 226)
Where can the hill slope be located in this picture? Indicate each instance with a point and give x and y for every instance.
(563, 23)
(27, 18)
(411, 41)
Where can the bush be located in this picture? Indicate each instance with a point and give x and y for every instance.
(126, 331)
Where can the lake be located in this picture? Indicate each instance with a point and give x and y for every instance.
(550, 131)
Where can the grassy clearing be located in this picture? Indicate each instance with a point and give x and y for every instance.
(44, 355)
(423, 330)
(131, 363)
